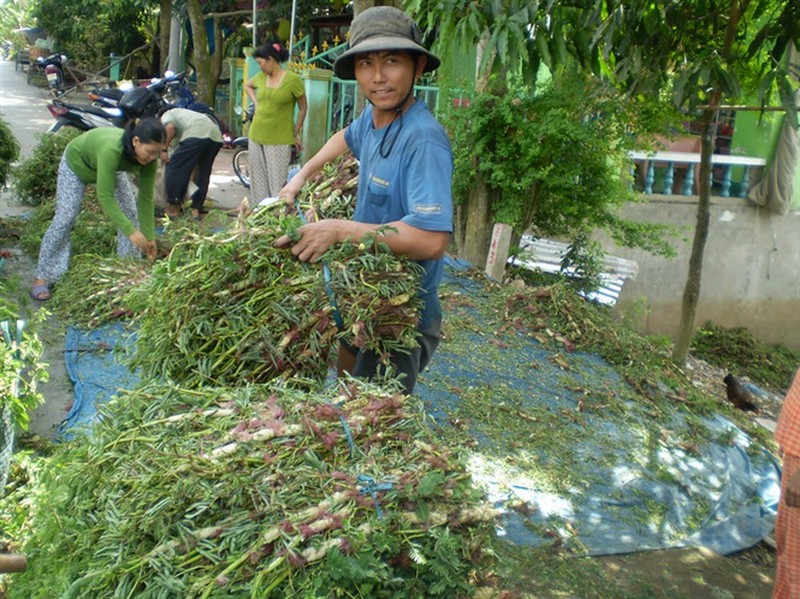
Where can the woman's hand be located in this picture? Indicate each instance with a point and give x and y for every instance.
(144, 245)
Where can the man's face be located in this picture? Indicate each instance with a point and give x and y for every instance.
(386, 77)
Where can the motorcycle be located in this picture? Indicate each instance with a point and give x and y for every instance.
(135, 103)
(173, 89)
(53, 68)
(106, 97)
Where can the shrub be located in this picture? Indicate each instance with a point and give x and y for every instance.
(35, 178)
(9, 151)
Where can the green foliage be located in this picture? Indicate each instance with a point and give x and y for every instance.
(14, 15)
(93, 232)
(701, 51)
(556, 157)
(35, 178)
(552, 305)
(20, 369)
(584, 258)
(736, 350)
(89, 30)
(515, 36)
(9, 151)
(146, 508)
(20, 352)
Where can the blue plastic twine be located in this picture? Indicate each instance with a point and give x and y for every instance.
(371, 487)
(326, 273)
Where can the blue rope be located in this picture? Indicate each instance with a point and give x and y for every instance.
(349, 436)
(326, 273)
(371, 487)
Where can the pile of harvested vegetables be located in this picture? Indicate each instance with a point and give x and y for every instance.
(229, 472)
(231, 308)
(261, 491)
(228, 308)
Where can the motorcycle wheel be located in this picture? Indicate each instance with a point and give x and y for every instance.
(241, 166)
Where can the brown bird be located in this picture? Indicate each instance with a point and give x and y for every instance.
(738, 395)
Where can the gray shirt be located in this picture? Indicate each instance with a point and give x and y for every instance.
(189, 123)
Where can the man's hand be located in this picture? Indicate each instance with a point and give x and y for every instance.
(793, 490)
(315, 239)
(291, 189)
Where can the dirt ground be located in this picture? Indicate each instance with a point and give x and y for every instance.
(696, 572)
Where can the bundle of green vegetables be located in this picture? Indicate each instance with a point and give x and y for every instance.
(259, 491)
(331, 192)
(230, 308)
(94, 289)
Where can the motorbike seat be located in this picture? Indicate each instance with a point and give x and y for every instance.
(101, 112)
(110, 92)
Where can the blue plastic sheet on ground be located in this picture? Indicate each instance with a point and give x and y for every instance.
(640, 489)
(93, 365)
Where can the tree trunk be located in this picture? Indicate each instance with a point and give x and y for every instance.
(164, 25)
(475, 215)
(477, 233)
(208, 67)
(691, 291)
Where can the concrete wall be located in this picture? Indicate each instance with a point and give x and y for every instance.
(751, 269)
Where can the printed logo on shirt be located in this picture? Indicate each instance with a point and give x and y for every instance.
(431, 209)
(379, 181)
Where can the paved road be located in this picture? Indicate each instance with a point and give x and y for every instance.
(23, 106)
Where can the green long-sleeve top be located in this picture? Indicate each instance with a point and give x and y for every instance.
(95, 157)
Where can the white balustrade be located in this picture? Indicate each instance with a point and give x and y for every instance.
(690, 161)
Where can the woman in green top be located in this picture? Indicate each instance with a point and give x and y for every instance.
(103, 157)
(275, 92)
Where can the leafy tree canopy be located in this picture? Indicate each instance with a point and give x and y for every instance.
(557, 156)
(735, 49)
(88, 31)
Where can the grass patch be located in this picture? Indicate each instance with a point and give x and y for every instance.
(736, 350)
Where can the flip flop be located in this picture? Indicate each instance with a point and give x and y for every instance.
(40, 293)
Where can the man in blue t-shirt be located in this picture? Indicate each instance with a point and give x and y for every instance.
(405, 170)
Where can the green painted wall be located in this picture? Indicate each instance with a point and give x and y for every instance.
(755, 135)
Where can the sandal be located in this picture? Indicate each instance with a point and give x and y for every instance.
(40, 293)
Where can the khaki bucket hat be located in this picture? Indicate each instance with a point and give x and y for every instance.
(382, 28)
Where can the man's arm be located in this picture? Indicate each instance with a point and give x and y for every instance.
(402, 239)
(333, 148)
(171, 131)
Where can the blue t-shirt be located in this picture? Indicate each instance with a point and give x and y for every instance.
(412, 184)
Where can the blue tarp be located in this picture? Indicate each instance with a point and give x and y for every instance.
(636, 488)
(93, 365)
